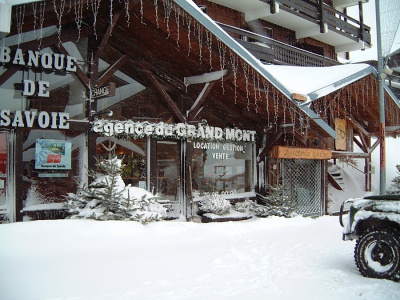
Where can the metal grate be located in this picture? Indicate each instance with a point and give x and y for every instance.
(302, 181)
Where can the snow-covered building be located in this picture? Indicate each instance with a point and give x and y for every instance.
(195, 96)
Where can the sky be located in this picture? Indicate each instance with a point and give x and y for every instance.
(370, 20)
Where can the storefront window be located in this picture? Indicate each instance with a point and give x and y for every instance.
(53, 162)
(42, 82)
(222, 167)
(133, 155)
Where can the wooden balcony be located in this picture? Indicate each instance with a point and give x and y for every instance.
(308, 18)
(274, 52)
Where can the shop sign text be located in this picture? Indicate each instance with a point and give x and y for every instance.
(133, 129)
(27, 118)
(55, 62)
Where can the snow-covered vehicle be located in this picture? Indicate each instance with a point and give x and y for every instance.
(374, 222)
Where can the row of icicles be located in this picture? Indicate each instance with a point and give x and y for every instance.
(258, 89)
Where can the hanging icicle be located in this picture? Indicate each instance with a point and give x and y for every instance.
(245, 68)
(209, 46)
(222, 52)
(167, 13)
(156, 9)
(79, 16)
(177, 20)
(200, 40)
(234, 67)
(141, 13)
(275, 98)
(20, 16)
(127, 15)
(59, 12)
(266, 91)
(95, 10)
(42, 10)
(34, 9)
(255, 91)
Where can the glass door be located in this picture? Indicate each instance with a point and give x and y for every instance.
(168, 175)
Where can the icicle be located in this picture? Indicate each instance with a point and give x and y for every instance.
(255, 91)
(167, 13)
(200, 39)
(292, 120)
(189, 28)
(275, 98)
(95, 10)
(156, 8)
(127, 15)
(59, 14)
(234, 67)
(177, 20)
(141, 12)
(79, 16)
(209, 45)
(34, 8)
(245, 68)
(222, 52)
(266, 91)
(111, 12)
(41, 20)
(20, 14)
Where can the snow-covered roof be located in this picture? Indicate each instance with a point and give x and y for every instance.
(313, 82)
(316, 82)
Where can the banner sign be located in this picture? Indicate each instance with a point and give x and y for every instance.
(131, 129)
(52, 155)
(300, 153)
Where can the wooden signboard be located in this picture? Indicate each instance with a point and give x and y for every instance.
(299, 153)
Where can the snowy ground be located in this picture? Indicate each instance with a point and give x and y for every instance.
(272, 258)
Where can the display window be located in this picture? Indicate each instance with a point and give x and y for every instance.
(133, 156)
(221, 168)
(53, 165)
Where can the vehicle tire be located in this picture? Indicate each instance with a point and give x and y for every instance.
(377, 253)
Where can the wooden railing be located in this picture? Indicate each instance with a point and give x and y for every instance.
(321, 13)
(272, 51)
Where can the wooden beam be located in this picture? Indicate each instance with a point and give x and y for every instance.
(79, 72)
(269, 146)
(197, 105)
(164, 94)
(166, 77)
(112, 69)
(358, 126)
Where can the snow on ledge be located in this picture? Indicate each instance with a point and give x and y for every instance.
(44, 206)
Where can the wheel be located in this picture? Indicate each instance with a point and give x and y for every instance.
(377, 253)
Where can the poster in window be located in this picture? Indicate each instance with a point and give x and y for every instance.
(52, 155)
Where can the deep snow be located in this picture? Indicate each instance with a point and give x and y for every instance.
(272, 258)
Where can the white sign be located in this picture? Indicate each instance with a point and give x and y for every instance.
(178, 131)
(27, 118)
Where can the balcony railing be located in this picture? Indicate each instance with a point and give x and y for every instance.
(320, 13)
(271, 51)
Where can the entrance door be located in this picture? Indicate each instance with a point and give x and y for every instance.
(302, 180)
(4, 209)
(168, 175)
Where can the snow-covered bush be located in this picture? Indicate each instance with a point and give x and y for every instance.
(249, 206)
(278, 203)
(216, 204)
(107, 198)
